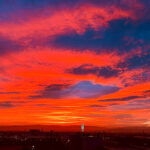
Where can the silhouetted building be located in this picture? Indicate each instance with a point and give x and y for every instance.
(34, 132)
(82, 127)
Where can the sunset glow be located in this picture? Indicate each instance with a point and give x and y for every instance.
(72, 62)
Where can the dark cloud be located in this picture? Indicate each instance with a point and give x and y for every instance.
(128, 98)
(52, 91)
(148, 91)
(136, 78)
(42, 105)
(57, 87)
(122, 116)
(143, 101)
(9, 93)
(106, 72)
(84, 69)
(7, 7)
(122, 35)
(95, 115)
(83, 89)
(136, 61)
(8, 46)
(6, 104)
(130, 106)
(113, 104)
(139, 61)
(10, 104)
(96, 106)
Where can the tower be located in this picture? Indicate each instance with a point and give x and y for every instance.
(82, 127)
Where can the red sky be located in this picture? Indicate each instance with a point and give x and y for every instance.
(73, 62)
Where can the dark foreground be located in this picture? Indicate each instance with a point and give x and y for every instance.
(36, 140)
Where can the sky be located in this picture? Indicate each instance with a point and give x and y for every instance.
(67, 62)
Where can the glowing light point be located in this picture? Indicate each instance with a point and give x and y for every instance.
(33, 147)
